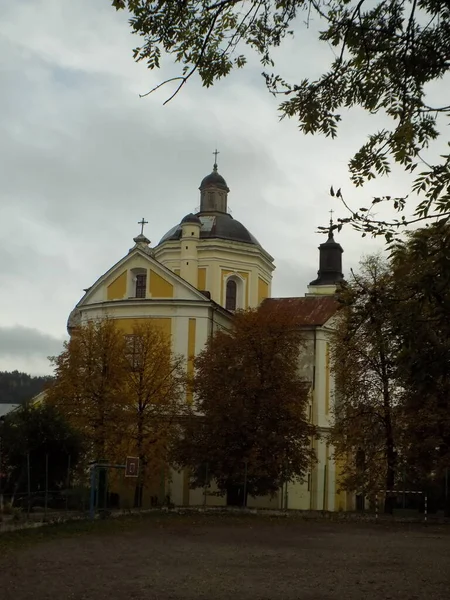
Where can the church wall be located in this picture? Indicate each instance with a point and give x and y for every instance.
(218, 259)
(319, 491)
(159, 287)
(192, 326)
(175, 487)
(189, 259)
(263, 290)
(298, 496)
(202, 278)
(323, 383)
(118, 288)
(126, 325)
(272, 502)
(321, 290)
(197, 497)
(180, 330)
(218, 322)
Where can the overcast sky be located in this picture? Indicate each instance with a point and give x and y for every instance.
(83, 158)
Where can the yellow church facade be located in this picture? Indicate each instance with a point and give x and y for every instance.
(202, 270)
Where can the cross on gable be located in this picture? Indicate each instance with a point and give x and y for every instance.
(142, 224)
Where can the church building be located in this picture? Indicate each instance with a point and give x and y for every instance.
(189, 284)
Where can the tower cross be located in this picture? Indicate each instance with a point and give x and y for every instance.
(142, 224)
(216, 152)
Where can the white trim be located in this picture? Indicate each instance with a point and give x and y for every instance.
(241, 284)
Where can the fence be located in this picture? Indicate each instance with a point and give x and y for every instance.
(53, 488)
(38, 489)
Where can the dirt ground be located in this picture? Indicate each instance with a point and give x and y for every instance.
(238, 559)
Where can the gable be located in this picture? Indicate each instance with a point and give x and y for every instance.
(155, 280)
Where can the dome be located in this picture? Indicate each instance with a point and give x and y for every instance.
(214, 180)
(191, 218)
(221, 226)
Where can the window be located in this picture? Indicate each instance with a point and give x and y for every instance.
(141, 285)
(133, 352)
(230, 301)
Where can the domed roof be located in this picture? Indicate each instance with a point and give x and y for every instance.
(214, 180)
(219, 225)
(191, 218)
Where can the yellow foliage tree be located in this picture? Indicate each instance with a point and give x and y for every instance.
(154, 391)
(89, 383)
(123, 392)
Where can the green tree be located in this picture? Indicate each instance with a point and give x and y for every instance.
(37, 431)
(248, 420)
(386, 55)
(421, 268)
(367, 412)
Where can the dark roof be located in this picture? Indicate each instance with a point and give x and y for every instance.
(214, 180)
(190, 218)
(310, 310)
(218, 225)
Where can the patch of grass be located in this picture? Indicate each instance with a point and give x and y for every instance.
(26, 537)
(23, 538)
(128, 523)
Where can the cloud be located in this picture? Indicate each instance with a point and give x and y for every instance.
(26, 342)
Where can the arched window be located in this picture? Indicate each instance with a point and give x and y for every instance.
(231, 297)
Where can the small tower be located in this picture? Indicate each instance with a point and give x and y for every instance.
(329, 274)
(213, 192)
(190, 235)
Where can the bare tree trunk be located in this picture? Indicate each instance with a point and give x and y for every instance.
(138, 490)
(391, 460)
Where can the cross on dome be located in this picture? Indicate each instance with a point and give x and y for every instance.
(216, 152)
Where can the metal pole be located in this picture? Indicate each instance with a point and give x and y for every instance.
(206, 484)
(404, 487)
(1, 475)
(244, 500)
(28, 484)
(105, 493)
(324, 488)
(46, 484)
(376, 507)
(68, 483)
(2, 421)
(92, 496)
(446, 482)
(425, 512)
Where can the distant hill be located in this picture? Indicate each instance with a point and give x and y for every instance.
(16, 387)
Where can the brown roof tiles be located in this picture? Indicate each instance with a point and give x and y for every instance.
(311, 310)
